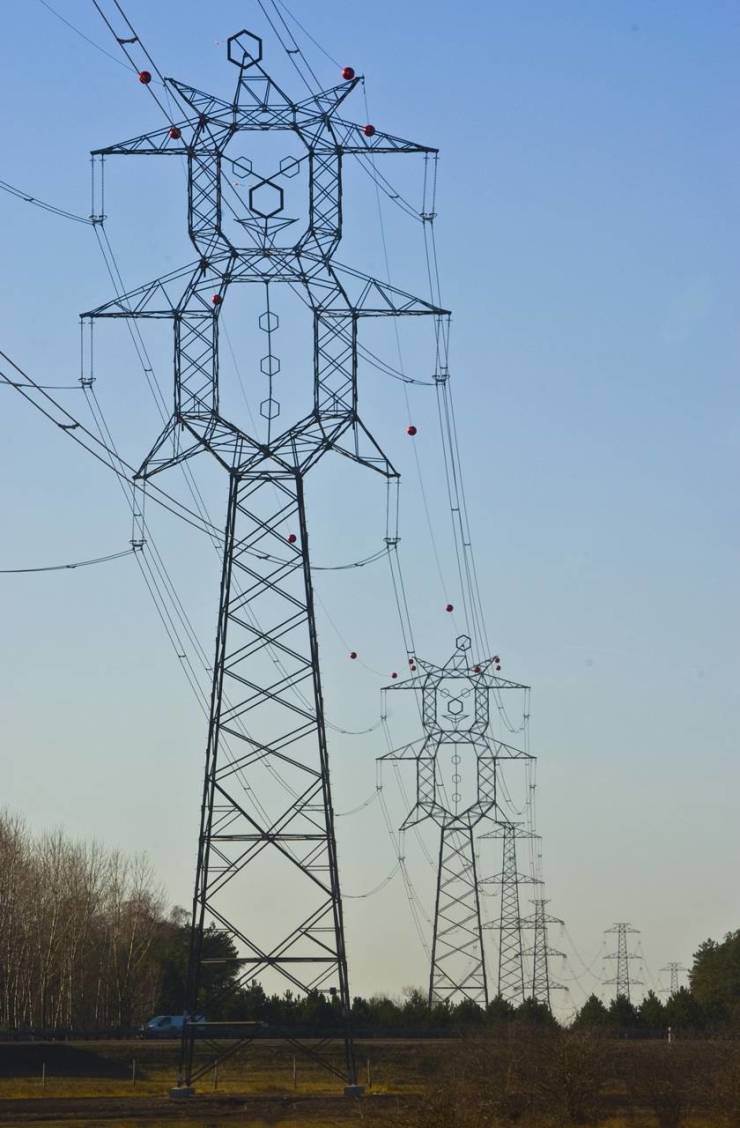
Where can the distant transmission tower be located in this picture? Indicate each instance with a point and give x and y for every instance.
(541, 952)
(267, 875)
(511, 983)
(457, 752)
(675, 970)
(623, 980)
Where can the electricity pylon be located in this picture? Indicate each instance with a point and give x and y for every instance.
(511, 977)
(623, 980)
(456, 721)
(674, 970)
(541, 952)
(266, 876)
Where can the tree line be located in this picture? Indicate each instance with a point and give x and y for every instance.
(86, 943)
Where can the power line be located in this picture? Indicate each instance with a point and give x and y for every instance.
(81, 34)
(27, 198)
(65, 567)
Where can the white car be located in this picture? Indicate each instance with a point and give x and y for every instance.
(167, 1025)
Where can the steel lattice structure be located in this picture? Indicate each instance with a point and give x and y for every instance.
(675, 970)
(511, 982)
(455, 712)
(266, 696)
(541, 982)
(624, 981)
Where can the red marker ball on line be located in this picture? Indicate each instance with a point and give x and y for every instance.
(353, 653)
(411, 430)
(348, 73)
(145, 78)
(175, 133)
(216, 299)
(449, 607)
(476, 669)
(368, 130)
(394, 675)
(292, 538)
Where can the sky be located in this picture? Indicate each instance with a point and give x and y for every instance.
(588, 242)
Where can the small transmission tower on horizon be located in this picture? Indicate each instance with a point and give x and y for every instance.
(623, 980)
(266, 220)
(456, 773)
(541, 952)
(674, 970)
(511, 980)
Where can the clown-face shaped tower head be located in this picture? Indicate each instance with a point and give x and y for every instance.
(264, 171)
(455, 702)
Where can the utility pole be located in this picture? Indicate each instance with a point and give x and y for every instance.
(456, 765)
(267, 222)
(623, 979)
(541, 952)
(675, 970)
(511, 984)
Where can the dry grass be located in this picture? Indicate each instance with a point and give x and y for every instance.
(529, 1080)
(105, 1069)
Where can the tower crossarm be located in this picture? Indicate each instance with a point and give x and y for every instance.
(353, 138)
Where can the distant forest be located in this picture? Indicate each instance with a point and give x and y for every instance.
(86, 943)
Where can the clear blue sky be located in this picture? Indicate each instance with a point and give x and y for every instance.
(589, 247)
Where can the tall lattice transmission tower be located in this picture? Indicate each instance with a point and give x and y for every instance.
(512, 981)
(674, 970)
(541, 983)
(623, 980)
(267, 824)
(456, 774)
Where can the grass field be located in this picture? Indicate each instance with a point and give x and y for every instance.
(91, 1084)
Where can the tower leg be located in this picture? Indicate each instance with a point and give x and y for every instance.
(267, 902)
(458, 967)
(510, 951)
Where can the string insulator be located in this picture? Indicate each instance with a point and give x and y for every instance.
(348, 73)
(145, 77)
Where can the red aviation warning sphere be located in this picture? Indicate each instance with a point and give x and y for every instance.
(292, 538)
(368, 130)
(394, 674)
(496, 658)
(348, 73)
(175, 133)
(145, 77)
(411, 430)
(353, 653)
(476, 669)
(216, 299)
(449, 607)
